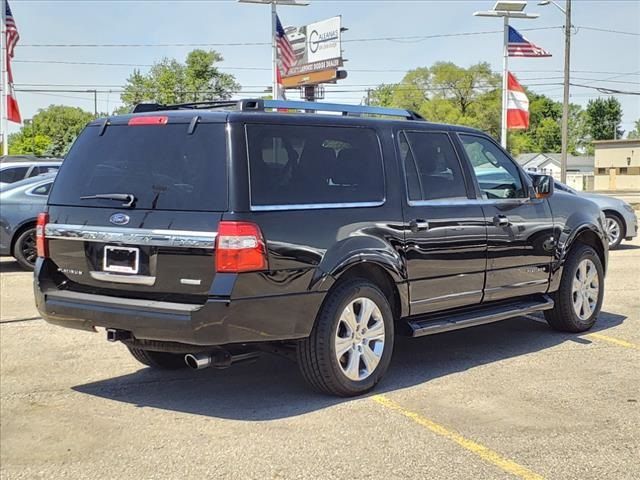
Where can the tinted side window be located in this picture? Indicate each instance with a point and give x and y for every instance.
(431, 166)
(300, 165)
(10, 175)
(43, 169)
(497, 175)
(42, 189)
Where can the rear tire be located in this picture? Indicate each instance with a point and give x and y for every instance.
(351, 343)
(24, 249)
(579, 298)
(159, 360)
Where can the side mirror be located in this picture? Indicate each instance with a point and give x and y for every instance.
(543, 186)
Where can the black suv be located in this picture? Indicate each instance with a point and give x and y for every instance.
(209, 233)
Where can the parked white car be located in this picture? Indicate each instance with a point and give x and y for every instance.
(16, 168)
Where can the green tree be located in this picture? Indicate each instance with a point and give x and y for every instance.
(471, 96)
(635, 133)
(603, 119)
(448, 93)
(381, 96)
(28, 143)
(169, 81)
(548, 136)
(51, 131)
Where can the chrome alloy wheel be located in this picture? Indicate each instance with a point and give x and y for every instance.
(613, 230)
(359, 339)
(585, 289)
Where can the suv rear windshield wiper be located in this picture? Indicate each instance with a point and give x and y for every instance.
(128, 198)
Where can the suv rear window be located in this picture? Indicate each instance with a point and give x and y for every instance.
(312, 165)
(162, 165)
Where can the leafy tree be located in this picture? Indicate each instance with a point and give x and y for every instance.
(28, 143)
(51, 131)
(471, 96)
(548, 136)
(447, 93)
(381, 96)
(635, 133)
(169, 81)
(603, 118)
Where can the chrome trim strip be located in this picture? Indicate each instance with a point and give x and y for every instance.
(314, 206)
(132, 236)
(446, 297)
(117, 278)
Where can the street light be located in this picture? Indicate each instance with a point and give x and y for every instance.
(274, 17)
(506, 9)
(565, 95)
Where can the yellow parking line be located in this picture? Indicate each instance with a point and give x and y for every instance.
(483, 452)
(598, 336)
(614, 341)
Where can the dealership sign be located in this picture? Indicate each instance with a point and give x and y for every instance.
(316, 46)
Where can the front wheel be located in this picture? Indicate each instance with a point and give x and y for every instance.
(579, 298)
(350, 346)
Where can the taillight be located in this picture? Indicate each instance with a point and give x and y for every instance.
(240, 248)
(149, 120)
(41, 239)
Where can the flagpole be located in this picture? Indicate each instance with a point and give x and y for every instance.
(3, 107)
(505, 73)
(274, 50)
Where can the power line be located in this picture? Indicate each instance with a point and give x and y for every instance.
(607, 30)
(412, 38)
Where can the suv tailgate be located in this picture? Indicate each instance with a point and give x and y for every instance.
(161, 246)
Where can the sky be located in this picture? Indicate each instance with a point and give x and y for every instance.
(609, 59)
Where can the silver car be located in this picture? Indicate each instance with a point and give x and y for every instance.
(20, 204)
(622, 222)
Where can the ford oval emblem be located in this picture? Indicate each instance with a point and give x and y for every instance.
(119, 219)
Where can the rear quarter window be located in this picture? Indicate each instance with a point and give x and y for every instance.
(314, 166)
(162, 165)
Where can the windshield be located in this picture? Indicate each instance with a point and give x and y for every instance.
(162, 167)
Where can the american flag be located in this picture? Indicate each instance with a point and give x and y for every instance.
(12, 37)
(12, 31)
(519, 46)
(287, 55)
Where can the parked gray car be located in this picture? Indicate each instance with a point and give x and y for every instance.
(622, 222)
(20, 204)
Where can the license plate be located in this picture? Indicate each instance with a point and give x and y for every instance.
(121, 259)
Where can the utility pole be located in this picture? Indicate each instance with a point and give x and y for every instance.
(565, 95)
(95, 103)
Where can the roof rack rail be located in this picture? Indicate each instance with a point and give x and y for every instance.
(346, 110)
(154, 107)
(260, 105)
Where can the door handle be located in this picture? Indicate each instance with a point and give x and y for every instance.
(418, 224)
(501, 221)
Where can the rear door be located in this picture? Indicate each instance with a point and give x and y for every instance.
(445, 232)
(519, 227)
(158, 246)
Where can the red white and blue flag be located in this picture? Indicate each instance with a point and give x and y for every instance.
(519, 46)
(517, 105)
(12, 37)
(287, 55)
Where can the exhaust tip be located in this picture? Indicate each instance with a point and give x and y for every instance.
(197, 361)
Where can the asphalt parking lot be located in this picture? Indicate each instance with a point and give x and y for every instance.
(508, 400)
